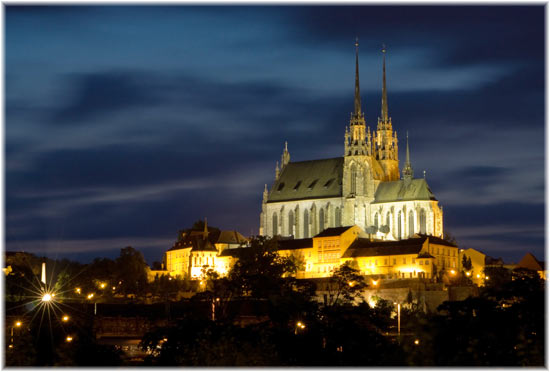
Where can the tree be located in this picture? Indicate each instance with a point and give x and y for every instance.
(345, 285)
(259, 270)
(466, 263)
(131, 272)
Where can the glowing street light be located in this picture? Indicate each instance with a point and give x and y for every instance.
(90, 296)
(468, 273)
(69, 339)
(18, 323)
(65, 318)
(77, 290)
(398, 321)
(374, 282)
(47, 297)
(102, 285)
(351, 284)
(453, 272)
(417, 342)
(486, 278)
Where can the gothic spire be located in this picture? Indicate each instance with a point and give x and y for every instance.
(205, 232)
(407, 169)
(357, 93)
(384, 92)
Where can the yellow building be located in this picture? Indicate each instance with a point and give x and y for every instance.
(418, 257)
(198, 251)
(477, 272)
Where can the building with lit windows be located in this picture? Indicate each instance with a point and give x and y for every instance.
(364, 187)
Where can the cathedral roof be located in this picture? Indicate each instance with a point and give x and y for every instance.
(392, 191)
(313, 179)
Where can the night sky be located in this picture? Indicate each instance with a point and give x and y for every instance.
(125, 124)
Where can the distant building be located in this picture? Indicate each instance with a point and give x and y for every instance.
(196, 251)
(363, 188)
(529, 261)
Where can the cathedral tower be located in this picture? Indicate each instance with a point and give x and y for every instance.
(384, 148)
(357, 137)
(357, 183)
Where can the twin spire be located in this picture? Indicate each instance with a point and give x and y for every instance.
(357, 92)
(357, 100)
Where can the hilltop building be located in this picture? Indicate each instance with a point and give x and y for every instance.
(363, 187)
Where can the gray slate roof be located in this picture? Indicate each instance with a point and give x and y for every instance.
(315, 179)
(333, 231)
(392, 191)
(367, 248)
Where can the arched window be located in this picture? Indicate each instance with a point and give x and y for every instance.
(376, 220)
(337, 217)
(422, 221)
(290, 223)
(306, 224)
(321, 220)
(353, 179)
(275, 224)
(400, 225)
(411, 223)
(388, 220)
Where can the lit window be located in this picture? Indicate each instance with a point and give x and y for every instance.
(404, 261)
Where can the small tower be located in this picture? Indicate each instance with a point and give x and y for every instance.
(407, 169)
(205, 232)
(285, 158)
(385, 143)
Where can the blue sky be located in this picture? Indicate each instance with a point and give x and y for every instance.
(124, 124)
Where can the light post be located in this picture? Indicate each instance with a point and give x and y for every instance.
(398, 321)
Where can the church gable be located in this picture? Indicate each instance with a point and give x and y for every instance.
(312, 179)
(417, 189)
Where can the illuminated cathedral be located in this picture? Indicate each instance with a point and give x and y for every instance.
(364, 187)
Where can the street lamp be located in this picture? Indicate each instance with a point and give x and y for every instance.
(65, 318)
(47, 297)
(398, 321)
(69, 339)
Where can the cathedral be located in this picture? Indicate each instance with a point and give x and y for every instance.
(364, 187)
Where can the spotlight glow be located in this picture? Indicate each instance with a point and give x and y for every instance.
(47, 297)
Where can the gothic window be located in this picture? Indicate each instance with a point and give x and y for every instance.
(337, 217)
(411, 223)
(376, 220)
(275, 224)
(321, 220)
(388, 220)
(422, 221)
(353, 179)
(400, 225)
(290, 223)
(306, 224)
